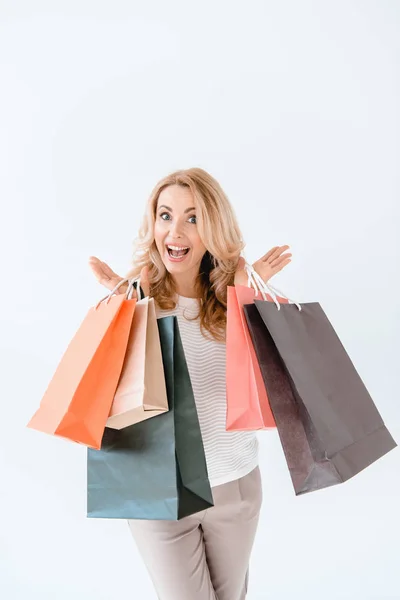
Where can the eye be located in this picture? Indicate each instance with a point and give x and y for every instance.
(162, 215)
(193, 217)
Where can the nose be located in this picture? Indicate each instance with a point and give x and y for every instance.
(175, 229)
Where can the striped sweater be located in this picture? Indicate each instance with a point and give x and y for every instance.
(229, 454)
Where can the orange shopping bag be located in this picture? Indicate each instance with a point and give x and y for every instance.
(247, 401)
(78, 399)
(141, 392)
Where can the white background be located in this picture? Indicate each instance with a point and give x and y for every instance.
(294, 108)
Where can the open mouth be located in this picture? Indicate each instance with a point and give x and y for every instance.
(177, 252)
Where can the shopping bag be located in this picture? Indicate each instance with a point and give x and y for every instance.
(247, 406)
(78, 399)
(328, 424)
(141, 391)
(155, 469)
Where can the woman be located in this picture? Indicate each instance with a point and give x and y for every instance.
(187, 253)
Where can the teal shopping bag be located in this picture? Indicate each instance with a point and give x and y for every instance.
(155, 469)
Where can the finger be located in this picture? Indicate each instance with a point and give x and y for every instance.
(269, 253)
(280, 250)
(94, 262)
(104, 275)
(279, 267)
(274, 253)
(95, 265)
(101, 269)
(280, 259)
(107, 270)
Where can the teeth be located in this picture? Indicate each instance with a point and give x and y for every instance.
(177, 248)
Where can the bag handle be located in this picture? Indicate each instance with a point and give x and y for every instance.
(266, 288)
(255, 281)
(132, 284)
(251, 282)
(137, 288)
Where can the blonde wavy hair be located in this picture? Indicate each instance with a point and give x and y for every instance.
(220, 234)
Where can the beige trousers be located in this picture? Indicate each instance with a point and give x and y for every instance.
(204, 556)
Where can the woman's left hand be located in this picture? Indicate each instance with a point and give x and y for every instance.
(271, 263)
(267, 266)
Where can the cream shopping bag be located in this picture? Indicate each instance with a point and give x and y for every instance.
(141, 391)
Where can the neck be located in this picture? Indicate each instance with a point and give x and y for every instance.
(185, 287)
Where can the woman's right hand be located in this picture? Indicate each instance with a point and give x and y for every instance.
(106, 276)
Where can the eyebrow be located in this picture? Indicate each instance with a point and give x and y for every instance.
(170, 209)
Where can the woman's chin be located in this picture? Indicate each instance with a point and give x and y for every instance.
(175, 267)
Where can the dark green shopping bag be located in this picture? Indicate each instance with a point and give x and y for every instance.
(155, 469)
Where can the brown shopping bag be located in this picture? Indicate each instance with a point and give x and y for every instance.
(141, 391)
(77, 401)
(329, 426)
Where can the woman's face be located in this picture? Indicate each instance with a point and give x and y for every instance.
(175, 233)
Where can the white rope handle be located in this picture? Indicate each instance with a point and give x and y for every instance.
(272, 287)
(263, 287)
(251, 282)
(268, 288)
(128, 293)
